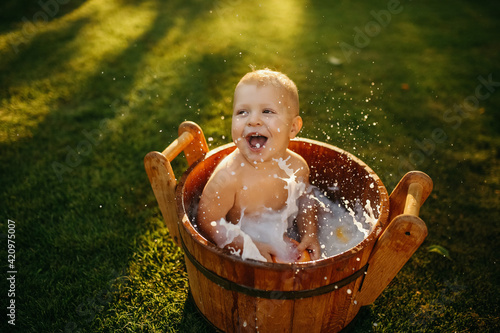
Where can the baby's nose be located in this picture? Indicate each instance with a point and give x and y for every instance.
(254, 119)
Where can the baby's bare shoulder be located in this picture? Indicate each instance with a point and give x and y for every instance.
(225, 175)
(299, 164)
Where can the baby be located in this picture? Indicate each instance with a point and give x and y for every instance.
(261, 176)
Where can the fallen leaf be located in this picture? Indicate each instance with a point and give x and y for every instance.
(440, 250)
(335, 61)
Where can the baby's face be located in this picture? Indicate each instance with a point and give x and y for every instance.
(262, 124)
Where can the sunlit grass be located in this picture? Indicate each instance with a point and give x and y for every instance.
(97, 33)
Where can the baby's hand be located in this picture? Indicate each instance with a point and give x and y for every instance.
(266, 250)
(310, 243)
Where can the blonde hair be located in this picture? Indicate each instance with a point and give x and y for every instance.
(279, 80)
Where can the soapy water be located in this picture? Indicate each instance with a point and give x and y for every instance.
(266, 228)
(340, 227)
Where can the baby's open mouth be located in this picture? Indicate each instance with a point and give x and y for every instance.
(256, 141)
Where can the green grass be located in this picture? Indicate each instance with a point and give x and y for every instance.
(90, 92)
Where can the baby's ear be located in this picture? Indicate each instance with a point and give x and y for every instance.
(296, 126)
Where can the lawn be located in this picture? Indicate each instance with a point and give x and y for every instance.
(87, 88)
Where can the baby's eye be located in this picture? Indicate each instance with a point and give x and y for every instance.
(267, 111)
(241, 112)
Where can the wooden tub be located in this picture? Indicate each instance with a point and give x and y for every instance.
(238, 295)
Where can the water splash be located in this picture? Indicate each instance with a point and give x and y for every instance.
(232, 231)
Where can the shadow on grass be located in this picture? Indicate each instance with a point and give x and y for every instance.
(26, 12)
(36, 57)
(193, 320)
(77, 187)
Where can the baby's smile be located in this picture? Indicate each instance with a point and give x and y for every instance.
(256, 141)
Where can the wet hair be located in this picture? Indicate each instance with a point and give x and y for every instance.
(265, 76)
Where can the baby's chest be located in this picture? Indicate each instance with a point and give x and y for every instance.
(264, 192)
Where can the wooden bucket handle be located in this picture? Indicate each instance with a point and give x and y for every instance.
(400, 238)
(192, 141)
(410, 194)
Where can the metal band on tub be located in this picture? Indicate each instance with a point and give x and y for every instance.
(271, 294)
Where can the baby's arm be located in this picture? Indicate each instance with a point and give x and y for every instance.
(215, 202)
(307, 219)
(307, 222)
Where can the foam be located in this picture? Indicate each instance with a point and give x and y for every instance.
(340, 228)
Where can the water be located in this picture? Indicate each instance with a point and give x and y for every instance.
(340, 228)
